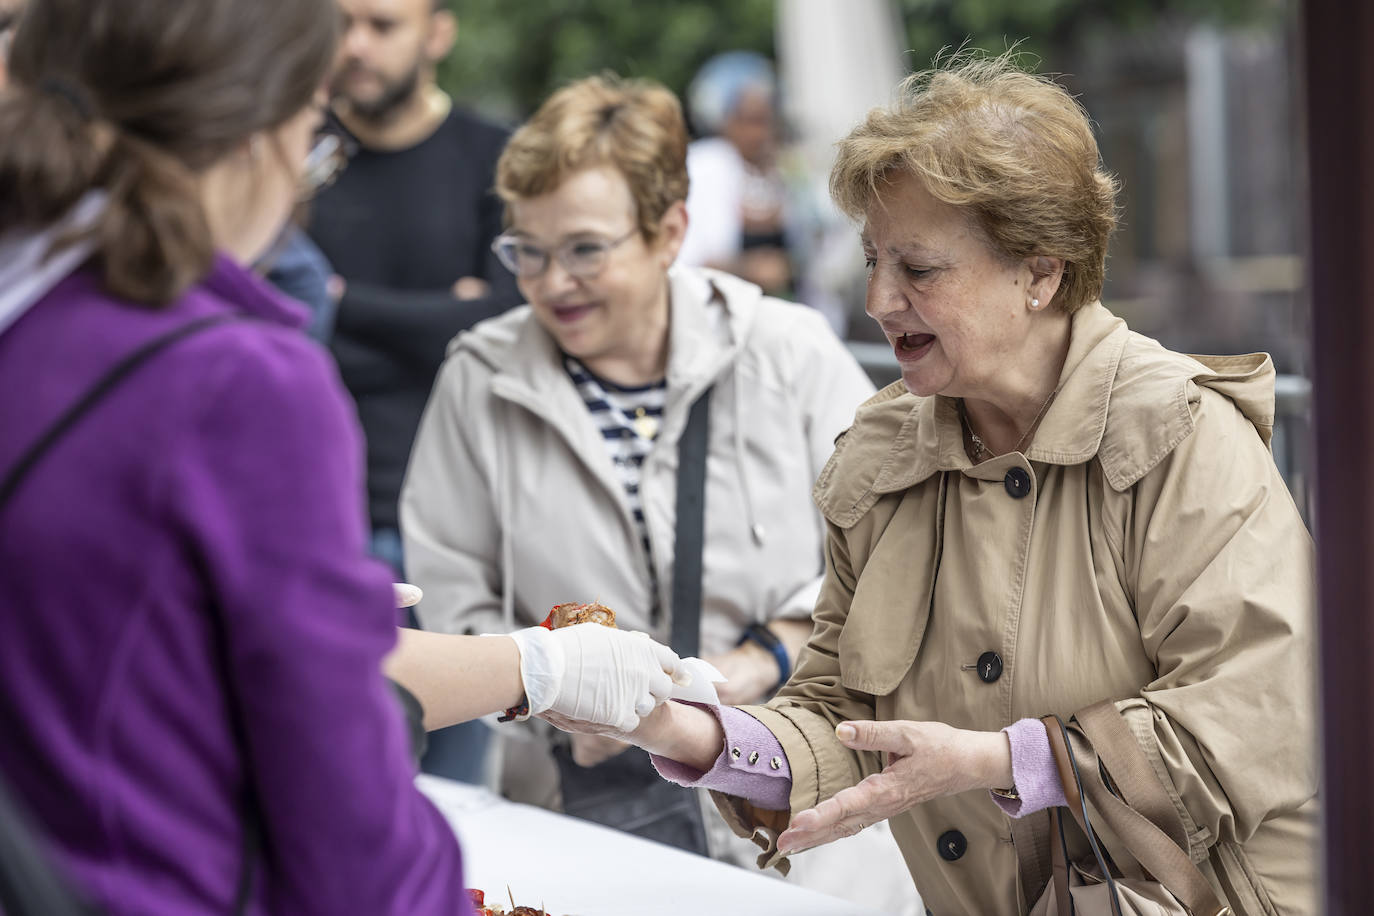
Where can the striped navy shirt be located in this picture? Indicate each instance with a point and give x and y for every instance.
(628, 418)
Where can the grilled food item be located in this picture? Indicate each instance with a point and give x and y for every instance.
(565, 615)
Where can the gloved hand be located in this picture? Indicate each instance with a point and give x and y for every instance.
(593, 673)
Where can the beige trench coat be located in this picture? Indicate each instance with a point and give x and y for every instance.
(1153, 556)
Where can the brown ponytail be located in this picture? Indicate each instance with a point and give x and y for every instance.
(135, 97)
(48, 160)
(153, 239)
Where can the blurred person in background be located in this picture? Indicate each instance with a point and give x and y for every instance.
(297, 267)
(191, 632)
(408, 229)
(1049, 515)
(566, 428)
(738, 200)
(754, 209)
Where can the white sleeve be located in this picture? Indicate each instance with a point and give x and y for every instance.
(714, 221)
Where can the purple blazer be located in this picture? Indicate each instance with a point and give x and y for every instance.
(224, 477)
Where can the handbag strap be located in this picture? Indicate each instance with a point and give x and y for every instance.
(50, 437)
(1130, 772)
(1031, 836)
(107, 383)
(1150, 845)
(1059, 864)
(685, 637)
(1069, 776)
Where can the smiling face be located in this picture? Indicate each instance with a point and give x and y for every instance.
(615, 323)
(956, 314)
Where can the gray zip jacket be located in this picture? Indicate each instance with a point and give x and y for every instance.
(511, 504)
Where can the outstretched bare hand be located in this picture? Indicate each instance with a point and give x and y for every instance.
(925, 760)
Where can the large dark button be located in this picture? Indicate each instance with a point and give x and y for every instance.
(1017, 483)
(989, 666)
(951, 845)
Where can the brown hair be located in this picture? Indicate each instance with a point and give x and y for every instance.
(634, 125)
(1012, 149)
(134, 97)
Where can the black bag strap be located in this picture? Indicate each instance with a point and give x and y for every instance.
(685, 637)
(93, 396)
(20, 894)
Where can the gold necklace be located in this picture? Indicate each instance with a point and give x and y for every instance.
(981, 452)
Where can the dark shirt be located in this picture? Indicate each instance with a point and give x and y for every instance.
(401, 227)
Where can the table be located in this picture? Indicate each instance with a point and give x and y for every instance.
(577, 868)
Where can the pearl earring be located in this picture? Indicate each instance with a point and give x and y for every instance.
(1035, 303)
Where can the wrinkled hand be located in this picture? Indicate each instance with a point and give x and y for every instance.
(925, 760)
(749, 671)
(595, 674)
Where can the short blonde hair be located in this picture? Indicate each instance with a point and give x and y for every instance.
(1012, 149)
(634, 125)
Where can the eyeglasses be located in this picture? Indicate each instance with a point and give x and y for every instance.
(582, 258)
(326, 160)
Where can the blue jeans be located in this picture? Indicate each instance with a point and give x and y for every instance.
(459, 751)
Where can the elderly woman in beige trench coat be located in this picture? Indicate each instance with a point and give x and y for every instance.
(1048, 511)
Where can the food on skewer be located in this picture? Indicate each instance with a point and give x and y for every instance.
(484, 909)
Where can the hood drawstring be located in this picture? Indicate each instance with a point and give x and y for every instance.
(505, 513)
(756, 529)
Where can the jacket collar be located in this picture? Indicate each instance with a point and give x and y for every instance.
(251, 294)
(930, 436)
(1123, 400)
(32, 263)
(31, 266)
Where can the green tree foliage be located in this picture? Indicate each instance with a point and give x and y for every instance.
(1048, 28)
(512, 53)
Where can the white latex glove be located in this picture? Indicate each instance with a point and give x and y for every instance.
(593, 673)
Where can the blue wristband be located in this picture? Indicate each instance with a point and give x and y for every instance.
(760, 634)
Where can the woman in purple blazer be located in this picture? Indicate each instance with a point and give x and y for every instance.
(191, 635)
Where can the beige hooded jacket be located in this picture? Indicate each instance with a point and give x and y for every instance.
(1144, 550)
(511, 504)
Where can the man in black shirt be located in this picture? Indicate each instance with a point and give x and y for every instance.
(407, 228)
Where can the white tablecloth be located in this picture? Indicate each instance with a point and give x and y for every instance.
(576, 868)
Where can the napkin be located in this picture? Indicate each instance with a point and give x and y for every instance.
(701, 688)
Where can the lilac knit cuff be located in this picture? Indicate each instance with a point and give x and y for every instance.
(751, 765)
(1032, 770)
